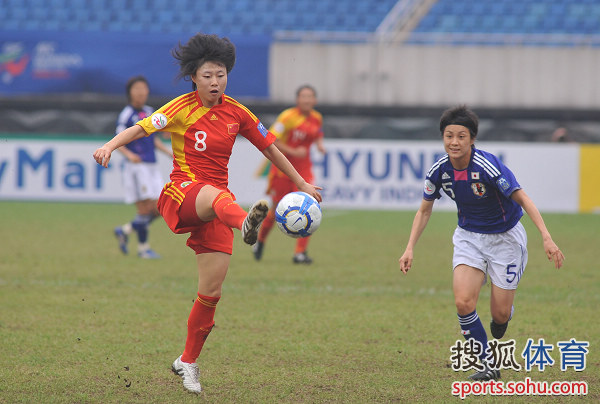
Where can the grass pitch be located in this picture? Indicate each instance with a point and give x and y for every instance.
(80, 322)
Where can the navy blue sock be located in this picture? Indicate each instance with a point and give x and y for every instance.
(472, 328)
(140, 225)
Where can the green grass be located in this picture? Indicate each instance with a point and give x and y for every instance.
(79, 322)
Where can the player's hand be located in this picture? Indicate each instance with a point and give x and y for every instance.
(406, 261)
(553, 253)
(312, 190)
(102, 156)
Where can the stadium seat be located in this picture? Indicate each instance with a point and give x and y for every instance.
(260, 17)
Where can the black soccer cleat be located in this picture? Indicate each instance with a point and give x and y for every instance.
(498, 330)
(257, 250)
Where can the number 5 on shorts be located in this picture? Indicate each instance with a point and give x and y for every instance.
(510, 278)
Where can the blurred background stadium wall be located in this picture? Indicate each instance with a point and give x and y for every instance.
(383, 69)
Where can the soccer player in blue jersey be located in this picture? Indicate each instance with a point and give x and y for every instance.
(141, 178)
(489, 240)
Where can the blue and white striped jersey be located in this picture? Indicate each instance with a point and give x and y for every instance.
(143, 147)
(481, 192)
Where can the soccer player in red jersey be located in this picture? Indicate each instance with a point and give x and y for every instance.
(296, 129)
(203, 126)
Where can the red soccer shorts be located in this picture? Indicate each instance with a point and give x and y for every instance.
(177, 205)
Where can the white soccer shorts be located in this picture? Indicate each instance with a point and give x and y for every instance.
(502, 257)
(141, 181)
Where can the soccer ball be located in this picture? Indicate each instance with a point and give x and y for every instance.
(298, 214)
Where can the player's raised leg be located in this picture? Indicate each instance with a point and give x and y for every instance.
(212, 202)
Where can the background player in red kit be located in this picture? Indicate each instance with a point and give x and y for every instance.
(204, 125)
(296, 129)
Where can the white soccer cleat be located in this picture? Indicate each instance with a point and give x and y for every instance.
(189, 372)
(256, 215)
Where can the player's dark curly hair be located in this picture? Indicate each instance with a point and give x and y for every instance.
(202, 48)
(460, 115)
(131, 82)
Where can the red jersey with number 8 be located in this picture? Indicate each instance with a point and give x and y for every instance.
(202, 138)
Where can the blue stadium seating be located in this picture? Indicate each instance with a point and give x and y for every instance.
(509, 17)
(221, 17)
(459, 18)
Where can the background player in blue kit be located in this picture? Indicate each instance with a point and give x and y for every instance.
(489, 240)
(141, 178)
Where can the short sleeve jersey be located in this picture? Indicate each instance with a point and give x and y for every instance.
(143, 147)
(295, 129)
(481, 192)
(202, 138)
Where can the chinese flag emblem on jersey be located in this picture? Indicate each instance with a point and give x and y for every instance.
(233, 128)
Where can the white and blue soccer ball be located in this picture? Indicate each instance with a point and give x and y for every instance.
(298, 214)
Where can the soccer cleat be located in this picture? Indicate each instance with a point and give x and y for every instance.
(255, 217)
(498, 330)
(122, 239)
(302, 258)
(257, 250)
(486, 374)
(148, 254)
(189, 372)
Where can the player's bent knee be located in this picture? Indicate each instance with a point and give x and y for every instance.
(500, 316)
(465, 305)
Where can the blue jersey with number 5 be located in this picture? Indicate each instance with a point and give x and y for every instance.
(481, 192)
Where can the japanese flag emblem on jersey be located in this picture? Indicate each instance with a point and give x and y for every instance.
(159, 121)
(478, 188)
(475, 175)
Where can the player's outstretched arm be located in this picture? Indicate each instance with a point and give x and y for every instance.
(419, 223)
(102, 154)
(552, 251)
(281, 162)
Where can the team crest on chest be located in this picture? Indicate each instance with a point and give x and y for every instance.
(478, 188)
